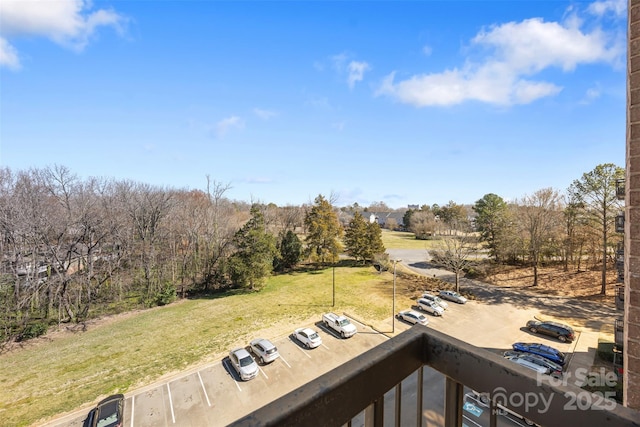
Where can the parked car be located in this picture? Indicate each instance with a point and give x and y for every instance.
(564, 333)
(442, 303)
(413, 317)
(308, 337)
(264, 350)
(530, 365)
(541, 350)
(554, 369)
(430, 307)
(108, 413)
(453, 296)
(243, 363)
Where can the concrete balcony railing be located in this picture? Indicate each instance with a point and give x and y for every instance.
(358, 389)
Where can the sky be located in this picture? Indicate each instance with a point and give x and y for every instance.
(401, 102)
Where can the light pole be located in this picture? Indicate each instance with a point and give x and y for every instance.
(333, 304)
(393, 319)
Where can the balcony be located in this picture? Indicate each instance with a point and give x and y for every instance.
(619, 332)
(356, 392)
(619, 297)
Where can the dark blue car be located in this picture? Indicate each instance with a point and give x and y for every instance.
(541, 350)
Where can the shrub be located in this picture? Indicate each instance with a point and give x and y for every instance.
(605, 350)
(32, 330)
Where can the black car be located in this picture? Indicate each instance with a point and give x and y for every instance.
(108, 412)
(564, 333)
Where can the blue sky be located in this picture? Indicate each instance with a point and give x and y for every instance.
(416, 102)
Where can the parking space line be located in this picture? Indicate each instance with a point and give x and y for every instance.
(285, 362)
(224, 365)
(265, 375)
(325, 346)
(133, 405)
(203, 389)
(303, 352)
(173, 416)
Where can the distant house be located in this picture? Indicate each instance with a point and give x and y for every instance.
(382, 218)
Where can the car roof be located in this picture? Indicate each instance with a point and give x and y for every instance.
(263, 342)
(240, 352)
(307, 331)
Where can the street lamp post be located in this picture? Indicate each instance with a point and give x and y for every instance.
(393, 319)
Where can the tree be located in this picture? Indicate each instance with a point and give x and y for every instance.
(323, 232)
(539, 219)
(355, 237)
(423, 224)
(596, 191)
(256, 249)
(363, 239)
(290, 248)
(455, 254)
(491, 219)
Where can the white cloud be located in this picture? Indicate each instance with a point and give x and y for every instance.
(8, 55)
(517, 52)
(356, 72)
(599, 8)
(69, 23)
(225, 125)
(427, 50)
(264, 114)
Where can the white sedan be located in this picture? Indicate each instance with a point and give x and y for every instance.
(413, 317)
(430, 307)
(308, 337)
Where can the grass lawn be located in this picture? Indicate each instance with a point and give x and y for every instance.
(405, 240)
(59, 374)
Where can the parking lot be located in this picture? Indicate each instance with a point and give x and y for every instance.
(213, 395)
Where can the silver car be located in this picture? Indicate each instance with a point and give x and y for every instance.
(413, 317)
(243, 364)
(435, 299)
(453, 296)
(264, 350)
(430, 307)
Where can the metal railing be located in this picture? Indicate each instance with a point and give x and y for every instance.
(337, 397)
(619, 297)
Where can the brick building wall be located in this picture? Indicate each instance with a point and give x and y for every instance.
(632, 214)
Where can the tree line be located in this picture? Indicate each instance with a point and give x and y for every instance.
(573, 228)
(74, 249)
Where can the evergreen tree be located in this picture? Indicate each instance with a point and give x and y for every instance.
(323, 232)
(290, 248)
(356, 236)
(256, 249)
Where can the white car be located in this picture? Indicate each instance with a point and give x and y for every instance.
(453, 296)
(430, 307)
(264, 350)
(413, 317)
(243, 363)
(308, 337)
(435, 299)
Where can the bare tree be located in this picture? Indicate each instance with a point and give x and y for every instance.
(539, 220)
(456, 253)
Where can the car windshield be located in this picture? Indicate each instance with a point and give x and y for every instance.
(272, 350)
(421, 317)
(246, 361)
(313, 336)
(343, 322)
(108, 415)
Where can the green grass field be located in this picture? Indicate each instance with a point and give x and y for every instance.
(51, 376)
(405, 240)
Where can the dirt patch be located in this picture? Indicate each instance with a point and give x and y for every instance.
(553, 280)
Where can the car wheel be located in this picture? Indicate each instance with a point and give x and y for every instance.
(562, 338)
(262, 360)
(342, 334)
(534, 330)
(307, 345)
